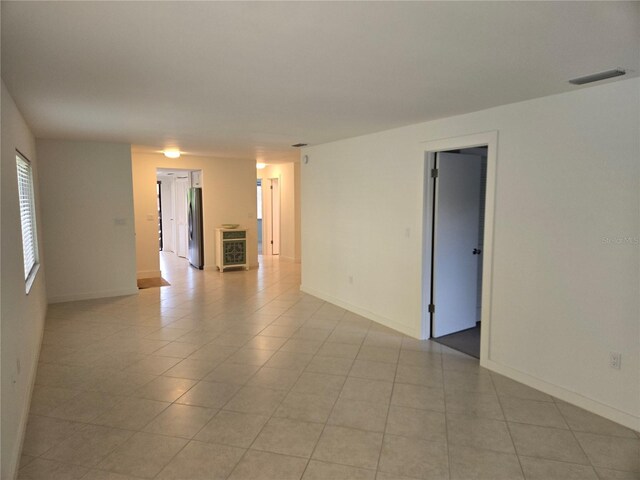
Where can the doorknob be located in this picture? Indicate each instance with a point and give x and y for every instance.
(477, 251)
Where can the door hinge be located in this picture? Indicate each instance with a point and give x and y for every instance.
(271, 242)
(434, 173)
(432, 308)
(271, 187)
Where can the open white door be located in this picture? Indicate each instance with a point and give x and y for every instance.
(456, 224)
(180, 214)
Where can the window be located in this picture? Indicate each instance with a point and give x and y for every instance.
(27, 220)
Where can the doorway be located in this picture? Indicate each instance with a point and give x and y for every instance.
(458, 220)
(173, 188)
(270, 188)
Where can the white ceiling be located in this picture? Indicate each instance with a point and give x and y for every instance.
(247, 80)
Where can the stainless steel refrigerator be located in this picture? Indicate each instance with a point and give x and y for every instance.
(196, 243)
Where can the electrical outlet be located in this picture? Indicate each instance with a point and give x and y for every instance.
(615, 360)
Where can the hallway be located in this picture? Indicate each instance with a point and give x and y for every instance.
(241, 376)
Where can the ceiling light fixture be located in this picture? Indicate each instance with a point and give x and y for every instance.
(172, 153)
(260, 166)
(596, 77)
(298, 145)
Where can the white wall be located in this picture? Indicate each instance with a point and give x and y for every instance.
(228, 193)
(22, 315)
(88, 222)
(289, 182)
(563, 297)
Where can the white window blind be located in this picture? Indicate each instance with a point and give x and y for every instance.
(27, 218)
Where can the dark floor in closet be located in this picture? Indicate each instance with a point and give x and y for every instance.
(465, 341)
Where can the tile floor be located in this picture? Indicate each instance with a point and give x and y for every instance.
(241, 376)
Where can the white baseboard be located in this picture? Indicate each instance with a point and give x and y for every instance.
(387, 322)
(623, 418)
(92, 295)
(149, 274)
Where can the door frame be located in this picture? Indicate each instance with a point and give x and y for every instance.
(430, 148)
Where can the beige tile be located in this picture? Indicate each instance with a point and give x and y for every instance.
(289, 360)
(261, 342)
(307, 407)
(143, 455)
(115, 382)
(456, 381)
(339, 350)
(277, 378)
(301, 346)
(46, 399)
(232, 373)
(88, 446)
(42, 433)
(480, 433)
(616, 453)
(425, 376)
(232, 428)
(258, 400)
(180, 421)
(608, 474)
(288, 437)
(209, 394)
(213, 354)
(318, 383)
(153, 365)
(544, 414)
(416, 423)
(546, 442)
(279, 331)
(190, 368)
(324, 471)
(378, 354)
(103, 475)
(349, 337)
(390, 476)
(415, 458)
(418, 358)
(132, 413)
(420, 345)
(25, 460)
(374, 391)
(330, 365)
(165, 389)
(348, 446)
(540, 469)
(485, 405)
(258, 465)
(232, 339)
(86, 406)
(41, 469)
(507, 387)
(358, 414)
(202, 461)
(416, 396)
(177, 350)
(469, 462)
(457, 361)
(582, 421)
(373, 370)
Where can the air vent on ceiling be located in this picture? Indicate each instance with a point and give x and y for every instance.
(596, 77)
(298, 145)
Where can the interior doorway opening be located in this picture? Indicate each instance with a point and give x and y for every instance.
(259, 215)
(270, 189)
(456, 223)
(173, 187)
